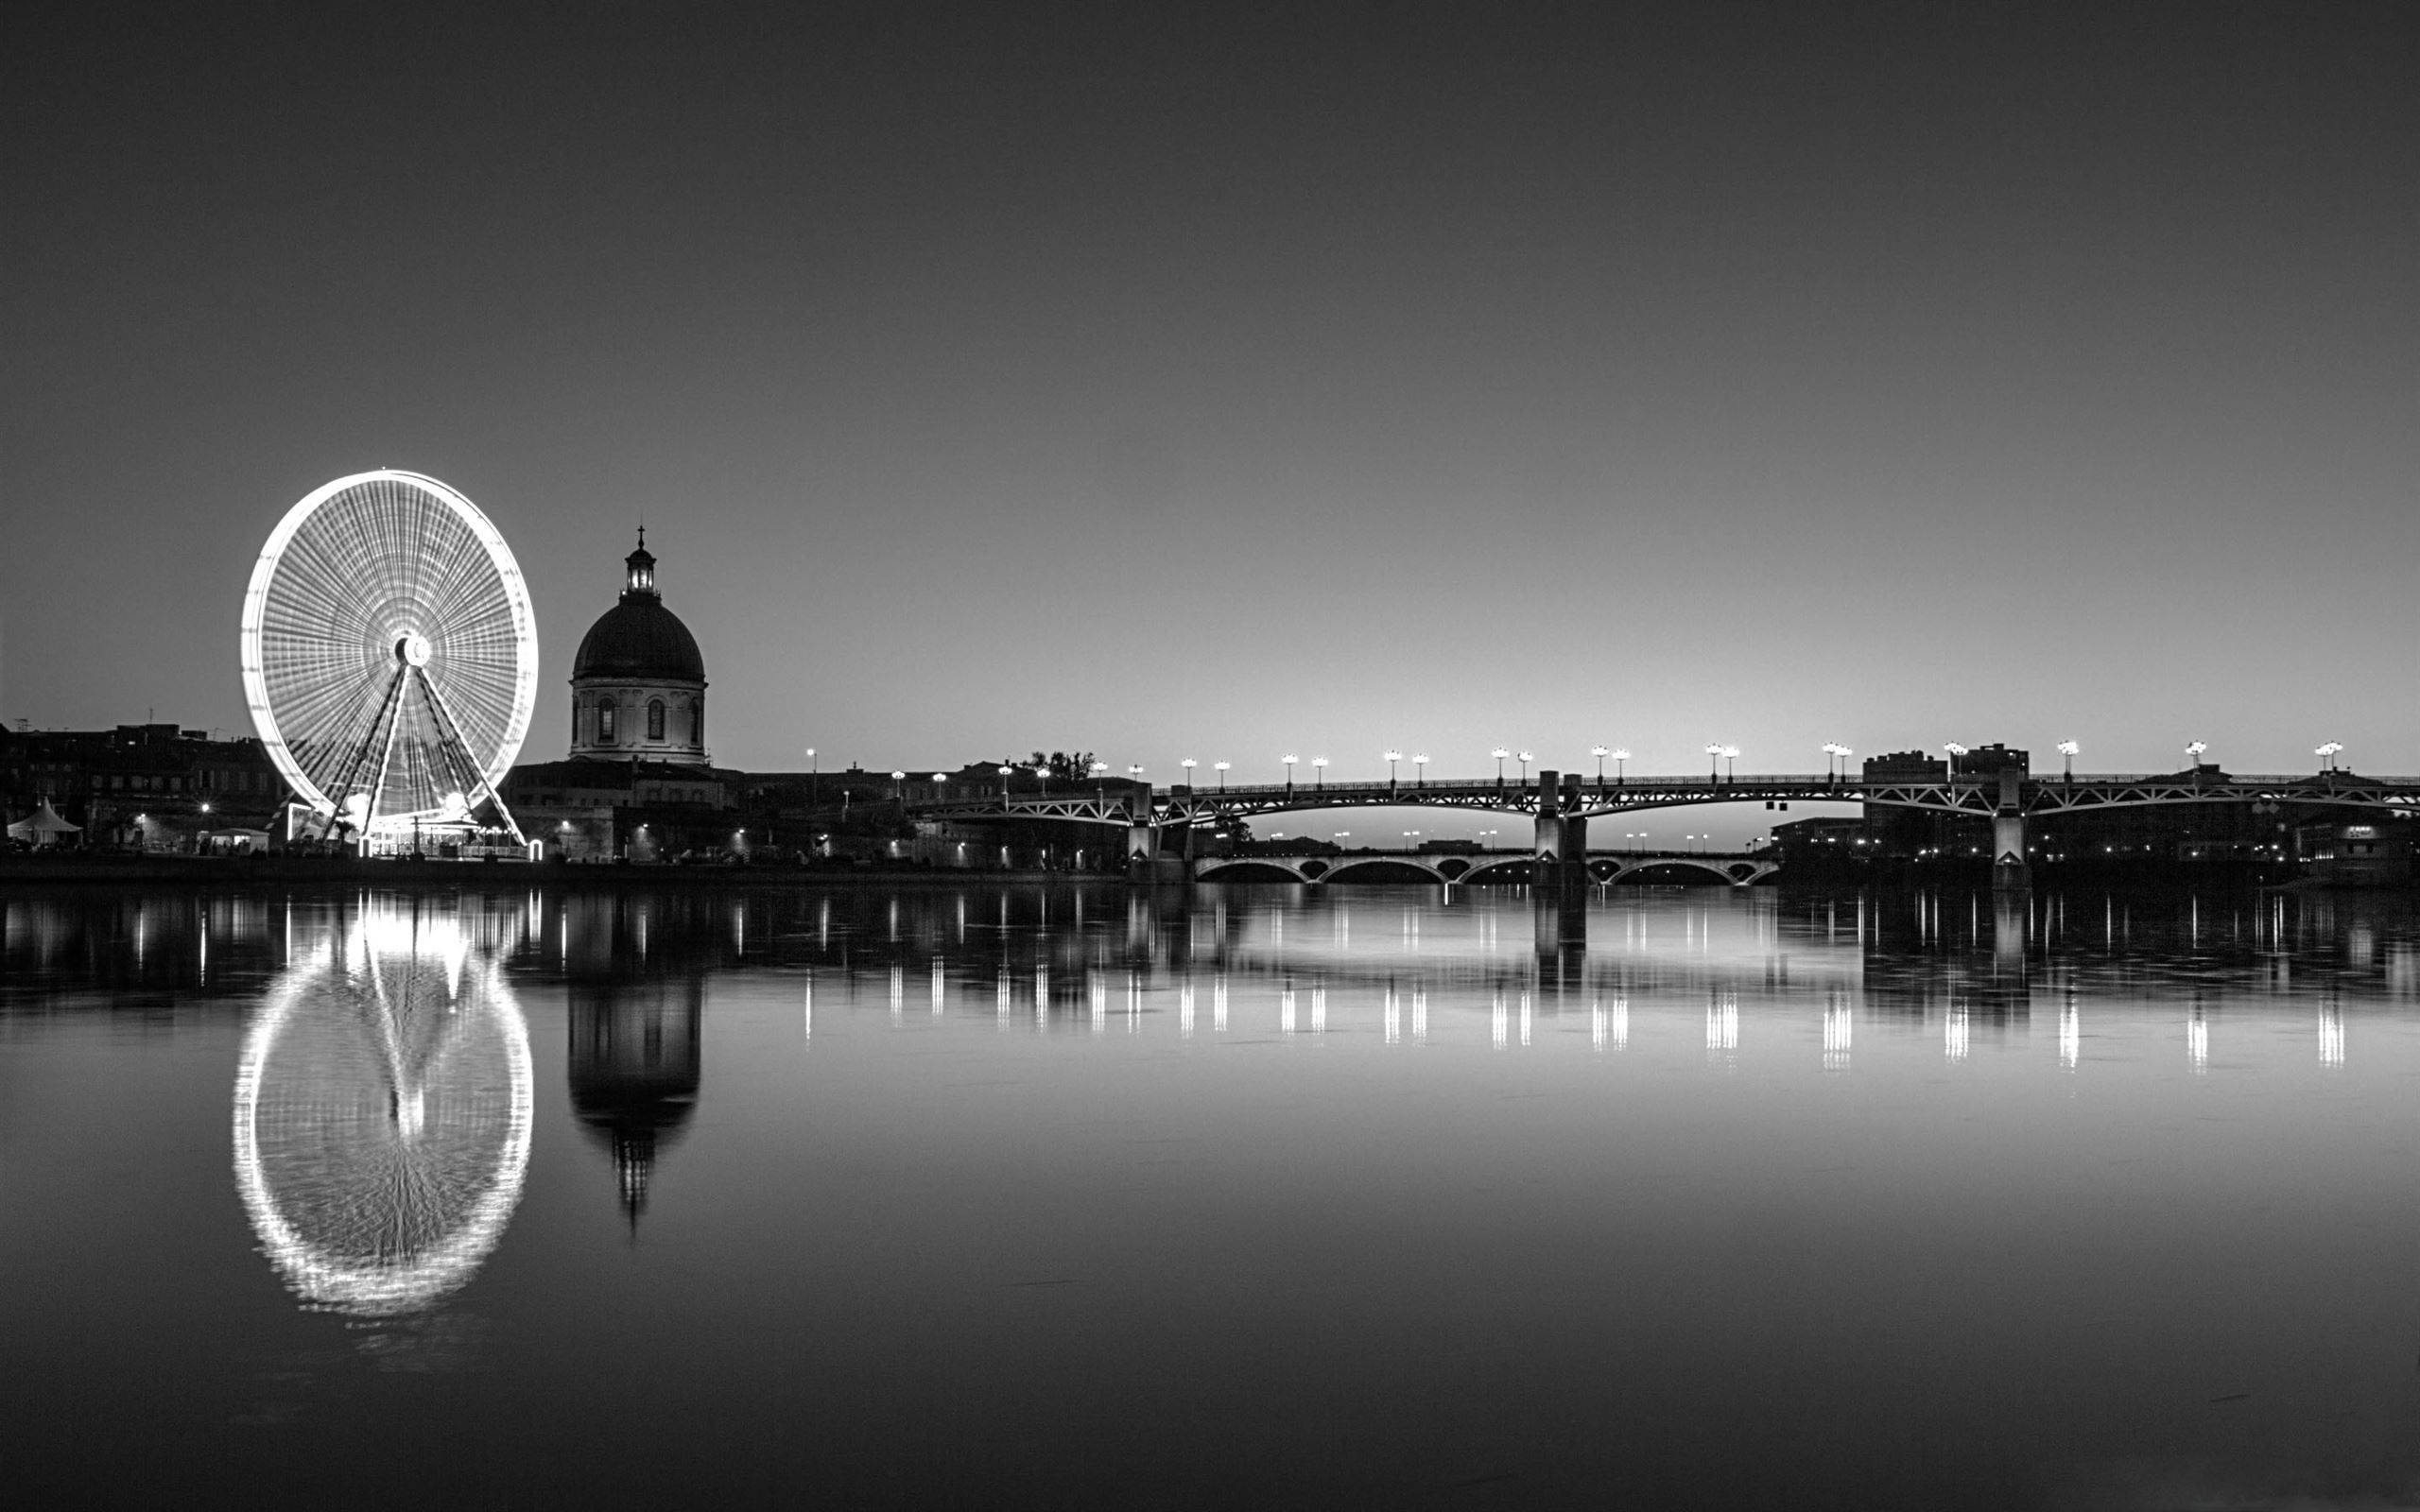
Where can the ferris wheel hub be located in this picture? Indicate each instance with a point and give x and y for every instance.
(414, 649)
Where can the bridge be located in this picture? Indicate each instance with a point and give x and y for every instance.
(1560, 805)
(1738, 867)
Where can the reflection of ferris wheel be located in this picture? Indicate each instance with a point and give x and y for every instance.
(390, 657)
(382, 1116)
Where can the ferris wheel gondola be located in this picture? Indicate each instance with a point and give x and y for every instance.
(391, 656)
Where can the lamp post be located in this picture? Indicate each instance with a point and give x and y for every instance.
(1419, 764)
(1953, 750)
(1006, 772)
(1222, 774)
(1526, 757)
(1188, 764)
(1601, 753)
(1289, 759)
(814, 777)
(1713, 763)
(1393, 757)
(1619, 757)
(2193, 751)
(1730, 754)
(1318, 772)
(2067, 752)
(1099, 793)
(1499, 753)
(2326, 754)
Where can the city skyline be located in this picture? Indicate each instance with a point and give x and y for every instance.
(1225, 387)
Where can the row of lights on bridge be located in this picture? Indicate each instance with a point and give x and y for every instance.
(1835, 764)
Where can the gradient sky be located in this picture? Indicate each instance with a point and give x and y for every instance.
(1222, 384)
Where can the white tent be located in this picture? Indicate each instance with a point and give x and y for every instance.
(42, 826)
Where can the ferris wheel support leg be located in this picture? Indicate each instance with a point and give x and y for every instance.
(452, 743)
(391, 710)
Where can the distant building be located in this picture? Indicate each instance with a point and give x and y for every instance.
(638, 683)
(2356, 853)
(152, 786)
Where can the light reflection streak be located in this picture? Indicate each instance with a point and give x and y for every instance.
(2070, 1033)
(1419, 1014)
(1954, 1033)
(2331, 1035)
(2197, 1041)
(1838, 1030)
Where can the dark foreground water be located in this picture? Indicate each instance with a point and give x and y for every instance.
(1245, 1198)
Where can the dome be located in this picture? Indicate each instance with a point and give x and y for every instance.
(639, 637)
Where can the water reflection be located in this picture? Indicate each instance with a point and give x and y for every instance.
(382, 1108)
(634, 976)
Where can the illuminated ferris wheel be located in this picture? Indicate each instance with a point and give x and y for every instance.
(391, 656)
(383, 1113)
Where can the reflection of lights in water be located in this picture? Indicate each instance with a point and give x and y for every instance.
(2331, 1036)
(1500, 1035)
(1419, 1014)
(806, 1015)
(1609, 1025)
(1286, 1009)
(1839, 1031)
(1525, 1017)
(1954, 1032)
(1394, 1016)
(1133, 1003)
(382, 1115)
(2197, 1041)
(1722, 1026)
(941, 986)
(898, 993)
(1185, 1008)
(2070, 1035)
(1319, 1008)
(1218, 1003)
(1097, 997)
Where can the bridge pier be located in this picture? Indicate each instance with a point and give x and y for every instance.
(2011, 872)
(1142, 851)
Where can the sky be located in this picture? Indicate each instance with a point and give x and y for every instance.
(1228, 381)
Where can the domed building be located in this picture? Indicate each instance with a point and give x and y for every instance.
(638, 685)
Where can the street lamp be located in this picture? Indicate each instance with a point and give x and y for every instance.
(1713, 763)
(1620, 756)
(1318, 772)
(2326, 755)
(1834, 755)
(1098, 768)
(1393, 757)
(1953, 750)
(1188, 764)
(1526, 758)
(1499, 753)
(1222, 774)
(1730, 754)
(2067, 752)
(1601, 753)
(2194, 750)
(1419, 764)
(1290, 760)
(1006, 772)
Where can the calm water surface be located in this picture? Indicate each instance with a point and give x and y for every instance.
(1245, 1196)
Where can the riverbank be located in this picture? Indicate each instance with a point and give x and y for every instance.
(25, 873)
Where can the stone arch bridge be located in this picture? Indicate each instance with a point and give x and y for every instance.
(1739, 869)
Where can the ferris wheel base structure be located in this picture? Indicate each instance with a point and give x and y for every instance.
(389, 658)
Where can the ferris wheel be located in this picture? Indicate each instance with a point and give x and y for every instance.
(382, 1114)
(391, 655)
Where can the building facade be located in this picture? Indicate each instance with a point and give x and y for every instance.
(638, 684)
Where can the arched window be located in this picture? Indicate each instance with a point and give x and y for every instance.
(655, 719)
(605, 720)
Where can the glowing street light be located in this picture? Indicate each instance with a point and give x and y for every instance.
(1393, 757)
(1836, 756)
(1188, 764)
(1526, 758)
(1419, 764)
(1713, 763)
(2068, 749)
(2194, 749)
(1620, 756)
(1006, 772)
(1730, 754)
(2326, 754)
(1318, 772)
(1499, 753)
(1222, 774)
(1289, 759)
(1601, 753)
(1953, 750)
